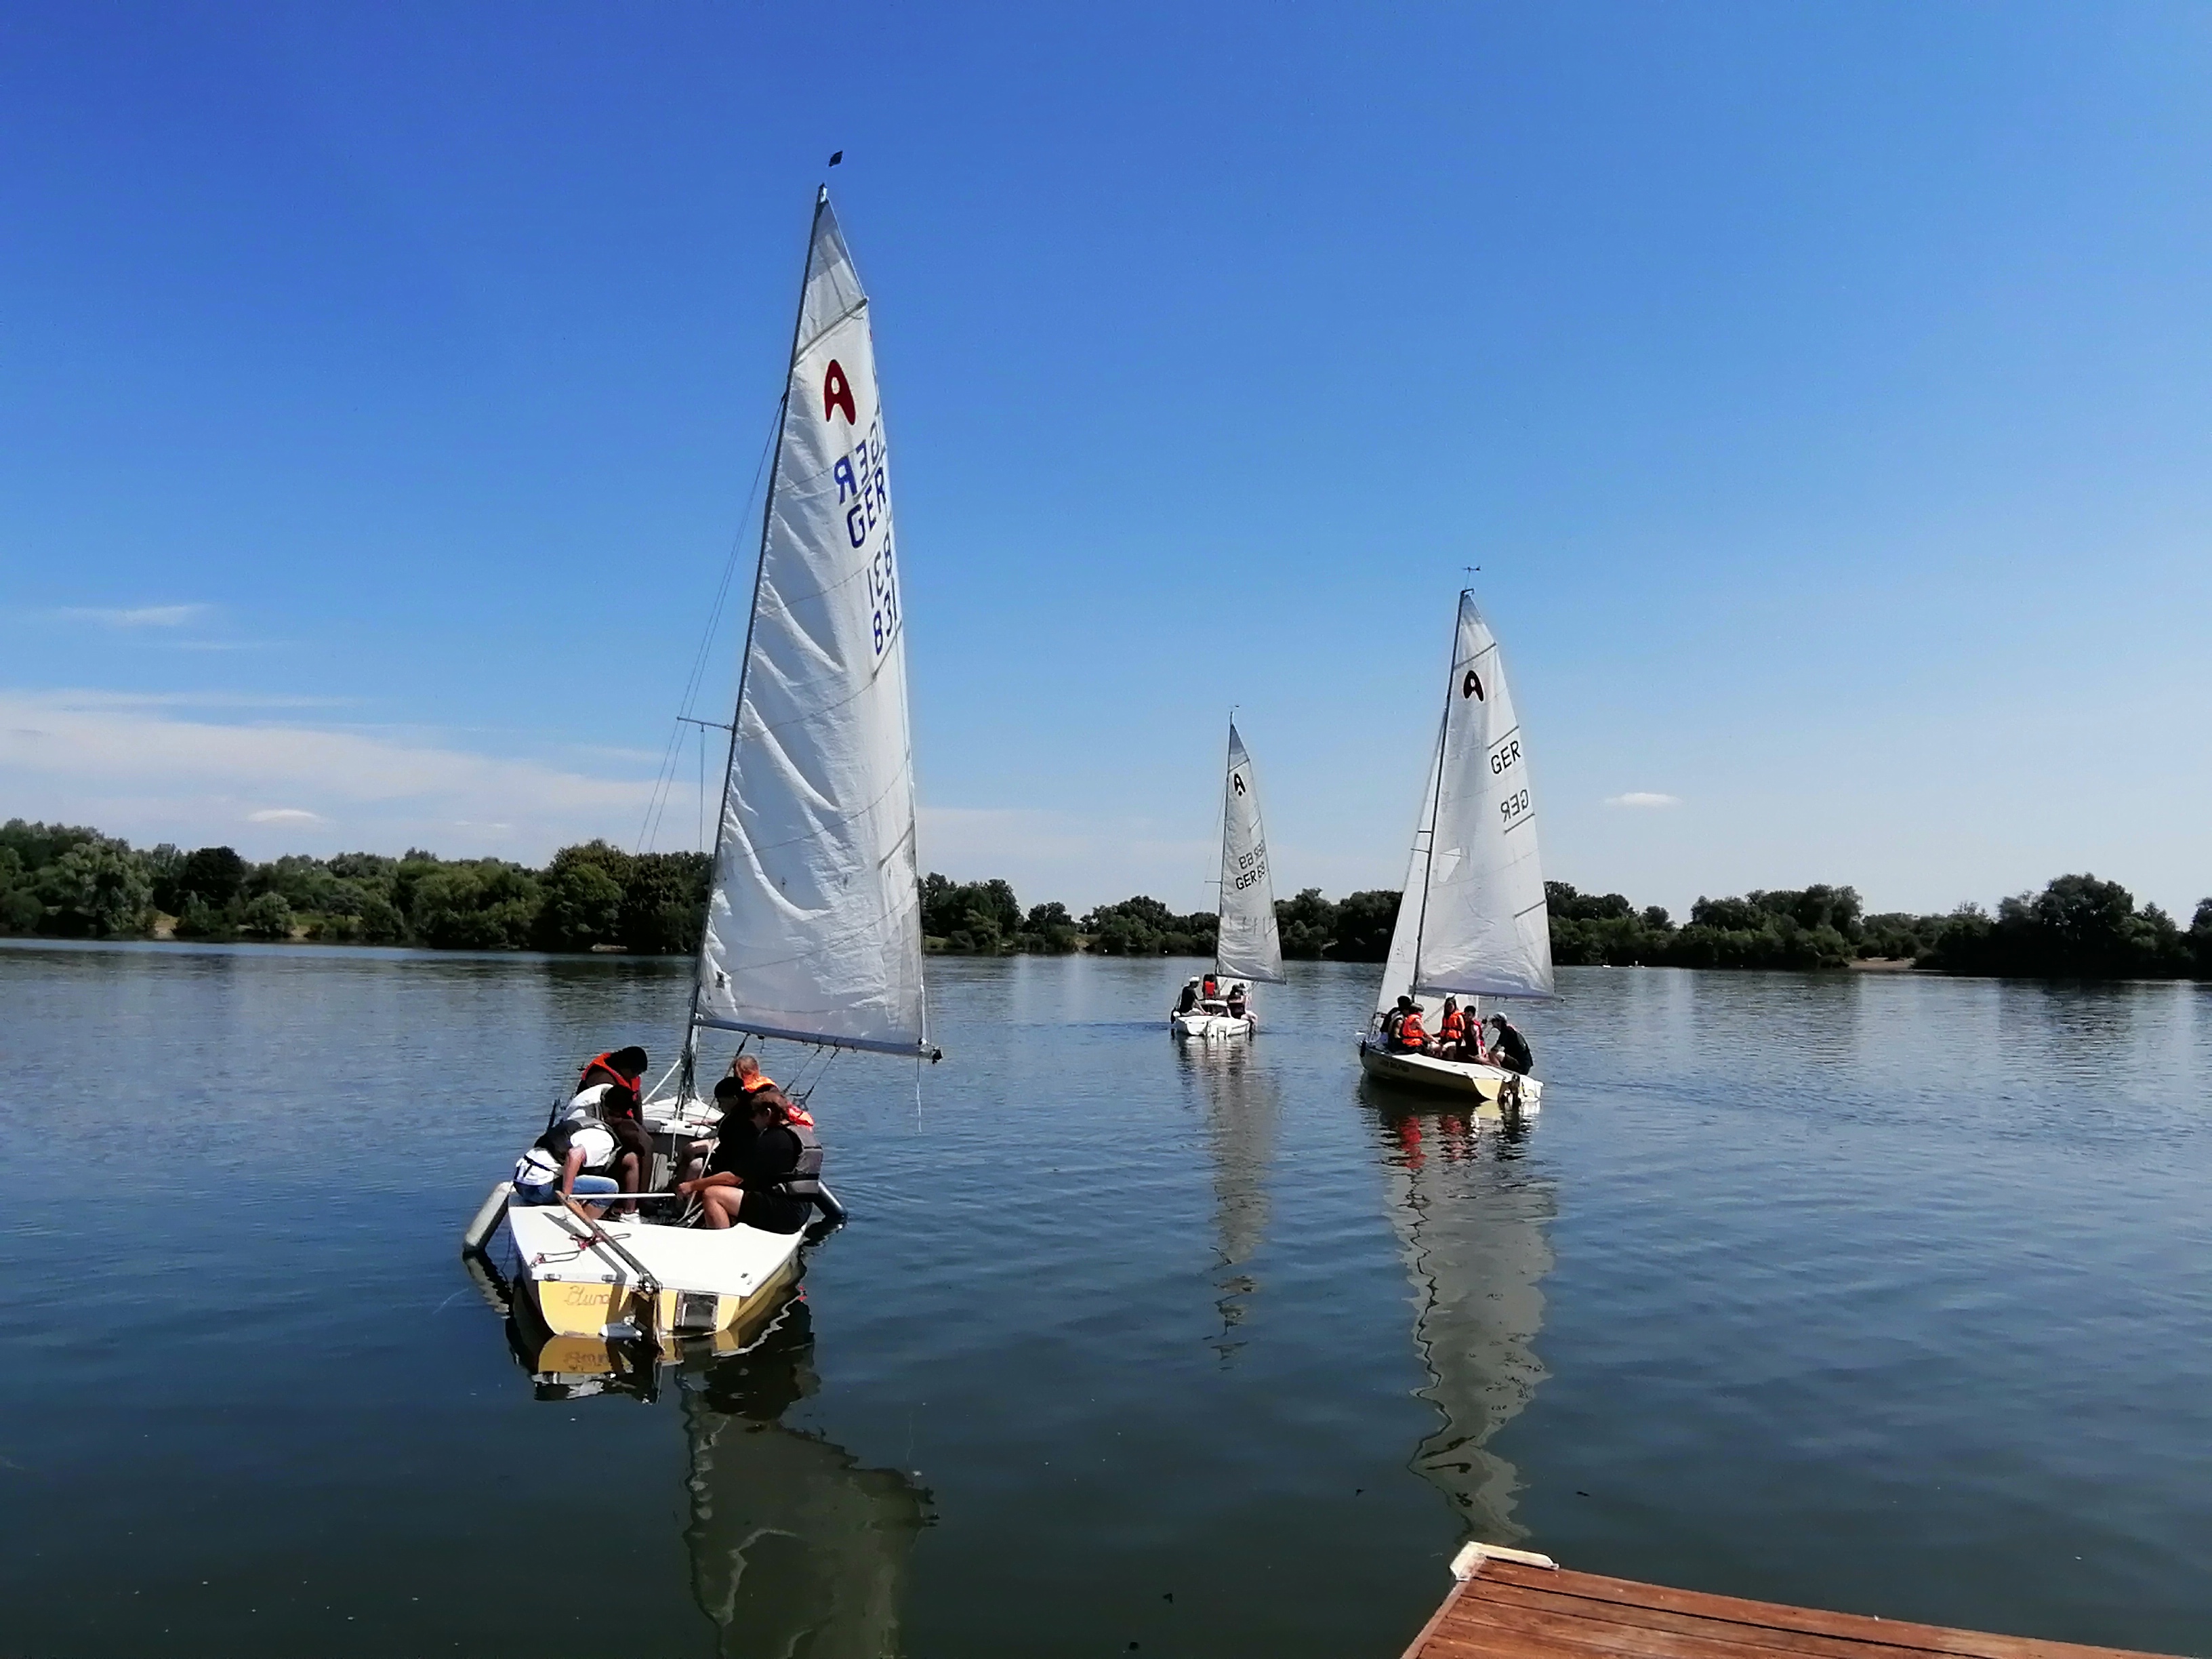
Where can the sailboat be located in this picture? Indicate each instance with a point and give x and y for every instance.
(813, 926)
(1247, 947)
(1472, 920)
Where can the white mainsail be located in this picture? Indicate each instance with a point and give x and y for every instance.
(1473, 920)
(814, 923)
(1249, 946)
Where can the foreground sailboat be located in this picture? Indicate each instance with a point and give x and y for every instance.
(813, 927)
(1247, 947)
(1472, 921)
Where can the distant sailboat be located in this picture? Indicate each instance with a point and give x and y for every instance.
(1247, 947)
(1472, 920)
(813, 927)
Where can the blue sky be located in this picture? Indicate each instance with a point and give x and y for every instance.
(1823, 392)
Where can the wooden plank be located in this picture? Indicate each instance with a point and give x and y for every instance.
(1511, 1611)
(1769, 1637)
(1657, 1635)
(1774, 1615)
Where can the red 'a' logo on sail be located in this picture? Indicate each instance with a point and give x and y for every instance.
(836, 394)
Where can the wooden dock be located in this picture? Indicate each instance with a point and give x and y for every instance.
(1511, 1604)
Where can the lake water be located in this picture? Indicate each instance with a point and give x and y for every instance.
(1865, 1291)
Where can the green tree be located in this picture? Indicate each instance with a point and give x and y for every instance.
(98, 888)
(1365, 922)
(583, 907)
(267, 916)
(215, 874)
(1305, 925)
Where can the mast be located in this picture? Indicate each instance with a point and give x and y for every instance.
(745, 652)
(1436, 796)
(1221, 887)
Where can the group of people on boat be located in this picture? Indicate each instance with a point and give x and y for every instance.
(1205, 995)
(1404, 1030)
(762, 1163)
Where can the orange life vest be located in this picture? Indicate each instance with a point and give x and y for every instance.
(626, 1085)
(794, 1112)
(1410, 1029)
(1455, 1025)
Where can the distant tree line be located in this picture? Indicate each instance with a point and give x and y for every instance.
(68, 882)
(73, 883)
(2078, 927)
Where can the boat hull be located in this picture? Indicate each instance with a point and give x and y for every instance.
(1491, 1085)
(709, 1280)
(1211, 1026)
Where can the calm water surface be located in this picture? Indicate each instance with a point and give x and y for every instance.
(1870, 1292)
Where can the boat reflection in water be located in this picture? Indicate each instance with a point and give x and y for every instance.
(795, 1548)
(1242, 1110)
(1472, 1224)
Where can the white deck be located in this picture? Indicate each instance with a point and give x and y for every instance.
(1455, 1077)
(557, 1248)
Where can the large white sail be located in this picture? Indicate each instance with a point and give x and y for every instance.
(1405, 933)
(1483, 927)
(1472, 918)
(814, 924)
(1249, 947)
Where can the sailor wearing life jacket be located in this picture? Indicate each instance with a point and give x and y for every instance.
(747, 1072)
(573, 1157)
(611, 1089)
(769, 1179)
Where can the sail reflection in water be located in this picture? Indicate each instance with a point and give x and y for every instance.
(1472, 1224)
(795, 1547)
(1242, 1110)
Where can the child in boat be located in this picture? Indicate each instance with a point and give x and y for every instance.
(767, 1178)
(570, 1159)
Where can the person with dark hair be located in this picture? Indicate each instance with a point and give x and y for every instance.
(570, 1159)
(1510, 1050)
(611, 1088)
(768, 1178)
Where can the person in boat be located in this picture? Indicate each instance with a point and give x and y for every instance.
(1188, 1000)
(1451, 1032)
(1237, 1003)
(1409, 1035)
(572, 1158)
(1509, 1049)
(768, 1178)
(611, 1088)
(1209, 991)
(747, 1072)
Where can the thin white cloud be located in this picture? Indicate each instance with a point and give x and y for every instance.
(91, 700)
(1643, 798)
(143, 615)
(141, 765)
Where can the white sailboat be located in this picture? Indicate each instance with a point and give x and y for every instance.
(1247, 948)
(813, 927)
(1472, 920)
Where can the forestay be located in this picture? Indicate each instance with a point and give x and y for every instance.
(814, 924)
(1473, 905)
(1249, 947)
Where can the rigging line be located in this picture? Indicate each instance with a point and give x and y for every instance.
(664, 779)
